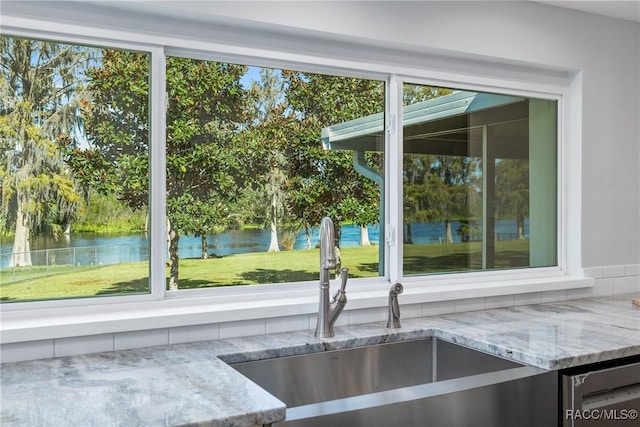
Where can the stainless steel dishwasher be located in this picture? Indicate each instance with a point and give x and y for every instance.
(602, 395)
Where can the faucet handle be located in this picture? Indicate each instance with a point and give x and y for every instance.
(393, 320)
(396, 289)
(344, 276)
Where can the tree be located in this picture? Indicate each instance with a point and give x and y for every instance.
(412, 94)
(40, 88)
(206, 104)
(104, 212)
(512, 190)
(204, 215)
(325, 183)
(439, 188)
(455, 176)
(269, 105)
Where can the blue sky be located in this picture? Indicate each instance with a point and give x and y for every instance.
(253, 74)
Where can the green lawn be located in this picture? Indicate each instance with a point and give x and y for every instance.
(452, 257)
(33, 283)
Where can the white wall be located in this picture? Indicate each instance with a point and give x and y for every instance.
(600, 54)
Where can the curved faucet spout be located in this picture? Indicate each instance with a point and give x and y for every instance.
(327, 245)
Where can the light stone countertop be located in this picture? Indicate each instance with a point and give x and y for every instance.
(189, 384)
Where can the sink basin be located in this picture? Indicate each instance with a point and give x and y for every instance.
(407, 383)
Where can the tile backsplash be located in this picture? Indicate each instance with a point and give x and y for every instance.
(609, 280)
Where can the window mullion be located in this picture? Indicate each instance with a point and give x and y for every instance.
(394, 179)
(157, 176)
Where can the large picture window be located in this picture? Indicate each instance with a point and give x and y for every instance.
(251, 159)
(249, 180)
(74, 169)
(247, 176)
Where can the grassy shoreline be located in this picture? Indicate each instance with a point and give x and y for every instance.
(66, 281)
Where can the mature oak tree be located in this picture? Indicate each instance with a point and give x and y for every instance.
(40, 86)
(204, 170)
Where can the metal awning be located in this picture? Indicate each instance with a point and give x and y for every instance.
(448, 125)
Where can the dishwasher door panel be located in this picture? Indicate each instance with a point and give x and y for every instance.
(602, 397)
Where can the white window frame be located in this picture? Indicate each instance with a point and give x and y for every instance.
(85, 316)
(156, 155)
(558, 94)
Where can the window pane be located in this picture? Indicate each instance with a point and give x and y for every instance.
(479, 181)
(253, 164)
(73, 169)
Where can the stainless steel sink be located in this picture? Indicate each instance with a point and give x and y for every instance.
(408, 383)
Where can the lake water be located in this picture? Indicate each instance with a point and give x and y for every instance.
(87, 248)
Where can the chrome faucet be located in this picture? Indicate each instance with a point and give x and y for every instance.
(328, 312)
(394, 308)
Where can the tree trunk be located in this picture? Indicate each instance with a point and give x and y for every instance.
(205, 247)
(307, 234)
(520, 226)
(338, 234)
(448, 236)
(172, 240)
(408, 236)
(273, 244)
(364, 236)
(21, 253)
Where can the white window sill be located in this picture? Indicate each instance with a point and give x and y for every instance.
(54, 323)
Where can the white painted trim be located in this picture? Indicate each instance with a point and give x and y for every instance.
(101, 319)
(157, 177)
(394, 187)
(570, 167)
(34, 29)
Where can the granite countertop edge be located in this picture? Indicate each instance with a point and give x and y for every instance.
(550, 336)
